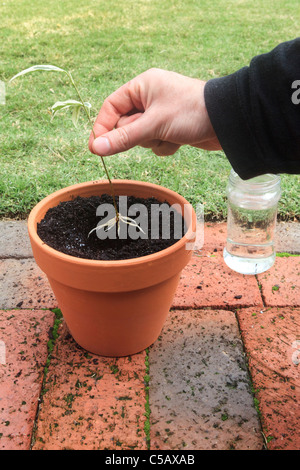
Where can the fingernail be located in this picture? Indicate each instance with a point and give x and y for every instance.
(101, 146)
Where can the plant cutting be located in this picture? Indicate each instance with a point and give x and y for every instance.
(76, 106)
(112, 306)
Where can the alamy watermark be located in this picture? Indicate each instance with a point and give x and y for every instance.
(162, 221)
(2, 353)
(2, 92)
(296, 354)
(296, 94)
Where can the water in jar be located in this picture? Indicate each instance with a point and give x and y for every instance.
(251, 224)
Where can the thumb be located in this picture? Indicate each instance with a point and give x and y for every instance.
(123, 138)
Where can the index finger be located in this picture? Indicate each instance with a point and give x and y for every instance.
(118, 104)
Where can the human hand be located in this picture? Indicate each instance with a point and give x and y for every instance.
(158, 109)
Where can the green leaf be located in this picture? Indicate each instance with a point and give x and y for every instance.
(75, 115)
(45, 68)
(60, 104)
(64, 104)
(76, 105)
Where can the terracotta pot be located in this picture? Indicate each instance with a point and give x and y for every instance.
(113, 308)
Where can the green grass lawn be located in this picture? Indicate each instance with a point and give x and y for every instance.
(104, 44)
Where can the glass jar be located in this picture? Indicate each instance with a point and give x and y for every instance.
(251, 222)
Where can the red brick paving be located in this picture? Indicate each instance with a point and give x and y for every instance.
(271, 338)
(281, 284)
(25, 335)
(90, 402)
(208, 282)
(214, 237)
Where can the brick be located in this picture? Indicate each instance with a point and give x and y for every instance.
(280, 286)
(272, 342)
(92, 402)
(200, 395)
(214, 236)
(208, 282)
(24, 285)
(14, 239)
(25, 336)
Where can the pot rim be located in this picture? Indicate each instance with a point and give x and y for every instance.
(187, 238)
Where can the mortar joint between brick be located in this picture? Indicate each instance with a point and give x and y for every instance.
(260, 291)
(57, 321)
(253, 391)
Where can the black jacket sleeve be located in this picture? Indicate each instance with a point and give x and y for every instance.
(255, 113)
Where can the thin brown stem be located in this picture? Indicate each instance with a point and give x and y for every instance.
(102, 159)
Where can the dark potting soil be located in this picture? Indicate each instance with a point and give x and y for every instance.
(66, 228)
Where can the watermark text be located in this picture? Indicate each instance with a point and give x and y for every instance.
(161, 221)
